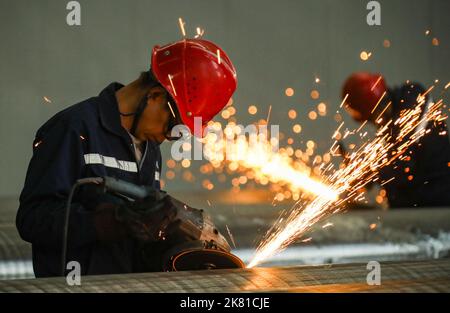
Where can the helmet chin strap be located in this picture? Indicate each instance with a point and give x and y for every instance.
(137, 115)
(141, 106)
(140, 109)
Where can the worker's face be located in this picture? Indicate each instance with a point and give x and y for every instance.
(154, 122)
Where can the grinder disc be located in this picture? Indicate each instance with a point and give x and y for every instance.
(204, 259)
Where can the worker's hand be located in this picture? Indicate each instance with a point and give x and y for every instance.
(107, 227)
(94, 198)
(102, 206)
(148, 219)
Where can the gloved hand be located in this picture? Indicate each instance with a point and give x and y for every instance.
(93, 197)
(102, 206)
(114, 218)
(148, 219)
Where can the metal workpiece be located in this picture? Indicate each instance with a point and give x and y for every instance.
(420, 276)
(397, 235)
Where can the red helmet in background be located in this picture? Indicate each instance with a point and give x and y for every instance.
(198, 75)
(364, 91)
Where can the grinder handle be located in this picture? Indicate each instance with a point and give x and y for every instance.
(125, 188)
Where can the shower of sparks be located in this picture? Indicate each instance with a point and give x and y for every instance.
(257, 155)
(347, 181)
(181, 23)
(171, 84)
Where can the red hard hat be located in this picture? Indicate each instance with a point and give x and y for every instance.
(198, 75)
(364, 91)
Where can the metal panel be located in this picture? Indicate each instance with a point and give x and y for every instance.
(425, 276)
(407, 234)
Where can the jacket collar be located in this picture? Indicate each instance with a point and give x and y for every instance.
(109, 110)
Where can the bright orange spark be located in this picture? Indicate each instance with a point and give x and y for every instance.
(181, 23)
(379, 100)
(343, 100)
(171, 109)
(200, 32)
(171, 83)
(376, 83)
(218, 56)
(268, 114)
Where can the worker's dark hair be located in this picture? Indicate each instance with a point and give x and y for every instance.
(147, 79)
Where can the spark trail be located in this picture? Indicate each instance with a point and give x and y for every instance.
(361, 169)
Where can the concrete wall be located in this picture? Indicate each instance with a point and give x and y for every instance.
(273, 44)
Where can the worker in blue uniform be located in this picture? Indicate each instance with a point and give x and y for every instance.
(117, 134)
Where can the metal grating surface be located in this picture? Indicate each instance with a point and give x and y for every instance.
(12, 247)
(420, 276)
(15, 254)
